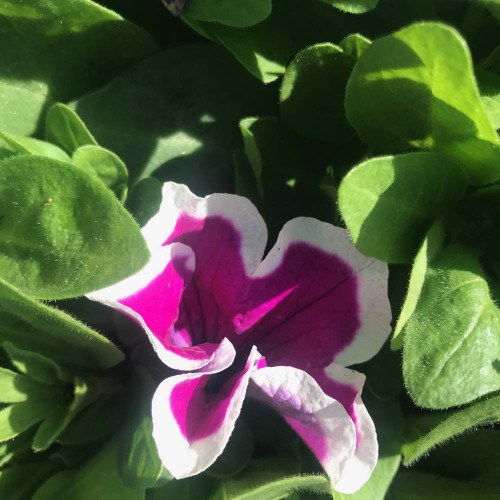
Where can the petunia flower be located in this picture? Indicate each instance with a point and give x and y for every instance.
(281, 329)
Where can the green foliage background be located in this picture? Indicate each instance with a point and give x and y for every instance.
(381, 116)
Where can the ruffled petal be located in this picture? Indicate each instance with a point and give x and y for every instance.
(227, 236)
(321, 421)
(191, 426)
(152, 297)
(314, 300)
(346, 386)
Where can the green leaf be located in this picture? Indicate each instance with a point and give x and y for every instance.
(19, 417)
(418, 485)
(98, 479)
(354, 45)
(62, 233)
(83, 429)
(452, 339)
(484, 412)
(241, 14)
(489, 85)
(15, 387)
(27, 145)
(140, 464)
(287, 172)
(403, 93)
(106, 166)
(193, 488)
(428, 250)
(172, 126)
(236, 454)
(15, 448)
(36, 366)
(17, 483)
(312, 93)
(353, 6)
(32, 325)
(65, 128)
(388, 203)
(55, 423)
(145, 200)
(265, 479)
(59, 51)
(138, 461)
(475, 456)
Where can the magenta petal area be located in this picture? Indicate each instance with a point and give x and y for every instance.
(301, 313)
(193, 418)
(152, 297)
(321, 421)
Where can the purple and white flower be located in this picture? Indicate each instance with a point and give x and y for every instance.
(281, 329)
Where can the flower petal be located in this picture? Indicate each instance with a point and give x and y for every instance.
(152, 296)
(320, 421)
(346, 386)
(191, 428)
(228, 237)
(314, 300)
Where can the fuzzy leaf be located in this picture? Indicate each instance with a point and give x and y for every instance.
(452, 339)
(62, 233)
(32, 325)
(388, 203)
(402, 93)
(65, 128)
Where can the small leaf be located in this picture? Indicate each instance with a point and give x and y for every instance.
(265, 479)
(62, 233)
(65, 128)
(32, 325)
(19, 417)
(385, 213)
(27, 145)
(106, 166)
(354, 45)
(402, 93)
(484, 412)
(312, 93)
(193, 488)
(15, 388)
(428, 250)
(452, 339)
(353, 6)
(240, 15)
(98, 479)
(36, 366)
(55, 423)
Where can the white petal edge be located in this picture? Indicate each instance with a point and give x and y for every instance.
(372, 276)
(180, 457)
(360, 467)
(177, 199)
(294, 393)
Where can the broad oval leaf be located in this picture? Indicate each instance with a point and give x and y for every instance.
(312, 93)
(404, 93)
(388, 203)
(30, 146)
(59, 50)
(353, 6)
(238, 14)
(452, 339)
(62, 233)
